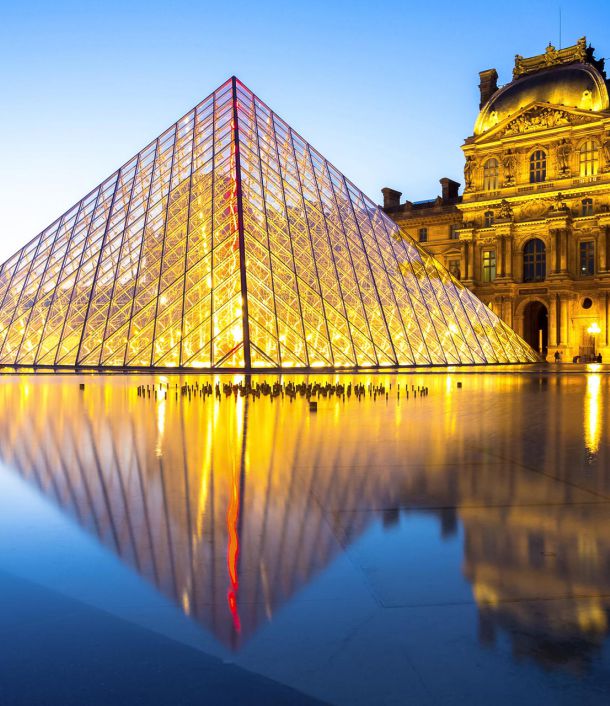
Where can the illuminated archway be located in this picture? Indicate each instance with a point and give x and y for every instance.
(536, 325)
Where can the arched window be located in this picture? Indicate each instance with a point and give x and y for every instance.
(538, 166)
(489, 218)
(534, 261)
(490, 174)
(587, 207)
(589, 158)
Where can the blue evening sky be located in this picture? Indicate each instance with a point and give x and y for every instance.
(387, 91)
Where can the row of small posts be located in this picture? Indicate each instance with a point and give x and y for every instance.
(307, 390)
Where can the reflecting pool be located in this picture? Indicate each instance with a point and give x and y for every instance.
(159, 545)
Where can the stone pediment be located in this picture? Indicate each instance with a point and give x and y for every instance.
(538, 117)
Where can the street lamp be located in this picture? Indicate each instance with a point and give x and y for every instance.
(593, 330)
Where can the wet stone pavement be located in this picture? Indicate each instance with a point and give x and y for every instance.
(189, 539)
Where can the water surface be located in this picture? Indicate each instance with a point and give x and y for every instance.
(437, 549)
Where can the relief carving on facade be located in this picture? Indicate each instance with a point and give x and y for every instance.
(541, 119)
(532, 210)
(506, 211)
(558, 203)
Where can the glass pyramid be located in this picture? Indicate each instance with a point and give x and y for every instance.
(229, 242)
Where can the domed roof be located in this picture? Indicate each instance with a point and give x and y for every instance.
(573, 85)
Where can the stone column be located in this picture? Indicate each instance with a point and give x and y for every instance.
(564, 250)
(553, 328)
(500, 267)
(602, 249)
(508, 256)
(518, 264)
(507, 311)
(565, 328)
(554, 254)
(462, 260)
(469, 260)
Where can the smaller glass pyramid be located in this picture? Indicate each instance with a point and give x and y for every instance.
(229, 242)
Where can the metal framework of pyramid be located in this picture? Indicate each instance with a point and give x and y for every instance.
(229, 242)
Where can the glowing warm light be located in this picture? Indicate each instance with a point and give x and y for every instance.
(233, 532)
(592, 415)
(210, 248)
(160, 426)
(594, 329)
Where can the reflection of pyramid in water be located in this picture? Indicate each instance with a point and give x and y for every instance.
(232, 508)
(229, 242)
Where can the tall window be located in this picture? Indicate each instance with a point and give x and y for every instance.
(587, 207)
(589, 158)
(454, 267)
(538, 166)
(453, 231)
(489, 218)
(534, 261)
(587, 258)
(490, 174)
(423, 235)
(489, 265)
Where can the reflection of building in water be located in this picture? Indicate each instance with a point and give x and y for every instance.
(592, 415)
(522, 561)
(231, 507)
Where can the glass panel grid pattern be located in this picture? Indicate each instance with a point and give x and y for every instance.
(230, 243)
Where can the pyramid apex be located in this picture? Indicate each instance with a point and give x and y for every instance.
(226, 243)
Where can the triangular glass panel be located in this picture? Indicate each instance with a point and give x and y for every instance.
(229, 242)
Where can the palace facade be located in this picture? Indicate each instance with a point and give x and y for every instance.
(529, 235)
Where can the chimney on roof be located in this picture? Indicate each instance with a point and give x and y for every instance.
(449, 189)
(488, 85)
(391, 198)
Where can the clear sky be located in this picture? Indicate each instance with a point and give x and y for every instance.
(387, 91)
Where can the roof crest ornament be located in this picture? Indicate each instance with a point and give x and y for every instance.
(551, 57)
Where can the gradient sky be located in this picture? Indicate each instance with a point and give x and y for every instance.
(387, 91)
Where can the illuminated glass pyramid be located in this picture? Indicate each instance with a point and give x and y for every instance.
(229, 242)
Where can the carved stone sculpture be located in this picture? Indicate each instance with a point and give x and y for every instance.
(509, 163)
(606, 153)
(540, 119)
(563, 158)
(469, 168)
(506, 210)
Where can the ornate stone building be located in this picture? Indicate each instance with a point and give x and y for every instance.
(530, 233)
